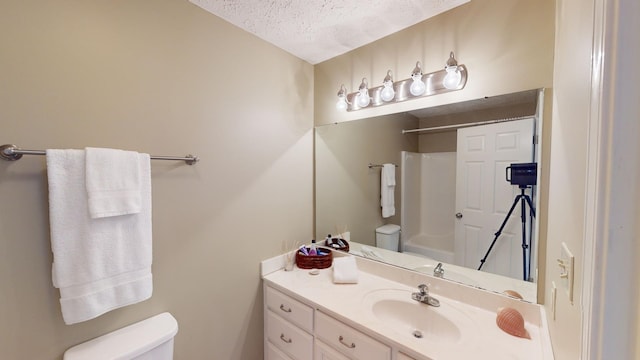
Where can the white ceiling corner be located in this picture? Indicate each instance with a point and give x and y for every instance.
(318, 30)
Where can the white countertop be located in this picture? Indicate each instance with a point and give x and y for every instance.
(481, 338)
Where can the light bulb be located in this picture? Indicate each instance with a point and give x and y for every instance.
(451, 81)
(363, 98)
(417, 86)
(341, 105)
(387, 92)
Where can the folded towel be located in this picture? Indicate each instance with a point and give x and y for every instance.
(387, 189)
(345, 270)
(389, 173)
(113, 182)
(98, 264)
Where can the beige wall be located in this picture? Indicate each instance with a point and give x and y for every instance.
(568, 169)
(593, 179)
(506, 45)
(167, 78)
(347, 191)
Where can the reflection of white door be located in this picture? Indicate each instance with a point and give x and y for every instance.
(484, 197)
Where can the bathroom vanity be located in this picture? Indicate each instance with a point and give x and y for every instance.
(309, 317)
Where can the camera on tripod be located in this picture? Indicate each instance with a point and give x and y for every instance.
(522, 175)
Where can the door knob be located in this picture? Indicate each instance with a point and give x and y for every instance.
(458, 215)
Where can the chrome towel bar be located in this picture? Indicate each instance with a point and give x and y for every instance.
(10, 152)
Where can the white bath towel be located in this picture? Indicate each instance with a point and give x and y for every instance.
(98, 264)
(387, 189)
(113, 182)
(345, 270)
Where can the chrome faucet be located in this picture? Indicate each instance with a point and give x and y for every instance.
(438, 271)
(424, 297)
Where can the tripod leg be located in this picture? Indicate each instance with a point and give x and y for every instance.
(515, 202)
(524, 236)
(533, 211)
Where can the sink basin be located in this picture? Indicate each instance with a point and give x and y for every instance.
(448, 274)
(395, 309)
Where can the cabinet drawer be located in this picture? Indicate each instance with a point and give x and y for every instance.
(289, 308)
(348, 340)
(274, 354)
(289, 338)
(402, 356)
(323, 351)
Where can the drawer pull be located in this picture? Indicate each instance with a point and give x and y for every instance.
(350, 346)
(285, 309)
(288, 341)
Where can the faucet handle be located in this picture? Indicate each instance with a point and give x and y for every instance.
(424, 289)
(438, 271)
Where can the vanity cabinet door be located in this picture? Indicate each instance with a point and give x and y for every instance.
(290, 309)
(349, 341)
(323, 351)
(274, 354)
(289, 338)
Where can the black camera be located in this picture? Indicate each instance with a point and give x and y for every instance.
(522, 175)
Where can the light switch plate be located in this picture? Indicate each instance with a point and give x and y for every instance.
(566, 264)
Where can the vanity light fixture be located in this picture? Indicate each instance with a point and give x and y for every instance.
(453, 77)
(363, 99)
(342, 103)
(418, 86)
(387, 93)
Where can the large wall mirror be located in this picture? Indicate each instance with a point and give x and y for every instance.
(454, 189)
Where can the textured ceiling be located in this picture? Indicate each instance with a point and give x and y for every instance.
(318, 30)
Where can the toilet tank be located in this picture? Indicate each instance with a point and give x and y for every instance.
(388, 237)
(150, 339)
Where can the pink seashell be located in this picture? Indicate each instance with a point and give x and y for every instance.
(511, 321)
(513, 294)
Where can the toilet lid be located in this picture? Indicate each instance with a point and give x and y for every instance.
(388, 229)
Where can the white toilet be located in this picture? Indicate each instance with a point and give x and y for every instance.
(388, 237)
(150, 339)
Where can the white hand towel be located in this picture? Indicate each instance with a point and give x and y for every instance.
(113, 182)
(98, 264)
(387, 189)
(345, 270)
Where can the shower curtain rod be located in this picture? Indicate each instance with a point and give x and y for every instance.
(12, 153)
(457, 126)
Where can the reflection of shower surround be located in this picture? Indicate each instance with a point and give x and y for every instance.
(415, 246)
(428, 202)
